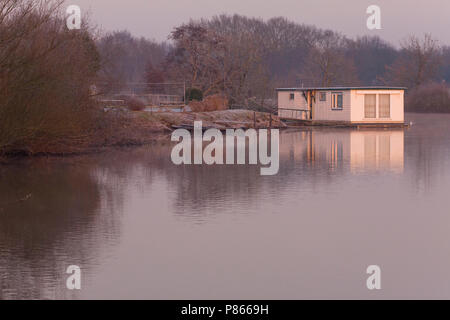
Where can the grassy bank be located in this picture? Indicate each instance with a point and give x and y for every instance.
(120, 128)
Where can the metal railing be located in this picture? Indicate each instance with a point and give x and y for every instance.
(158, 100)
(112, 102)
(290, 113)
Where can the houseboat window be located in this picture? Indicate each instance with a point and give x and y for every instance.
(370, 101)
(291, 96)
(385, 106)
(337, 101)
(323, 96)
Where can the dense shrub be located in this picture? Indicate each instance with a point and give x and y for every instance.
(194, 94)
(210, 103)
(46, 72)
(432, 97)
(134, 104)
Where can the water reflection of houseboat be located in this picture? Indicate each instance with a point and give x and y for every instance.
(360, 149)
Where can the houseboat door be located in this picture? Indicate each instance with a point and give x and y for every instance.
(311, 97)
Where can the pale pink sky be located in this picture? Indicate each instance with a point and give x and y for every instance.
(155, 18)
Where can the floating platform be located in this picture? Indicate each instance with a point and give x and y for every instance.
(343, 124)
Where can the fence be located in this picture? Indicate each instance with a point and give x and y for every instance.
(165, 95)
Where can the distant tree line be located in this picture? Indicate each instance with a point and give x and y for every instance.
(247, 58)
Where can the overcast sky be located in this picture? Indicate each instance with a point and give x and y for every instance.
(156, 18)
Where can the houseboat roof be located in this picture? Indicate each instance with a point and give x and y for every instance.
(340, 88)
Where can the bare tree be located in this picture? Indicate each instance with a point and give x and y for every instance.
(198, 54)
(418, 63)
(327, 63)
(225, 54)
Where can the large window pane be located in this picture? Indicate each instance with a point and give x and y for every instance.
(370, 101)
(385, 106)
(337, 101)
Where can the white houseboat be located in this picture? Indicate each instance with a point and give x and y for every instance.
(343, 105)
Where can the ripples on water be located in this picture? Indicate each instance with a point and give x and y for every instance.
(140, 227)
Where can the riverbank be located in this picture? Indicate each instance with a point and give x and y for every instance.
(122, 128)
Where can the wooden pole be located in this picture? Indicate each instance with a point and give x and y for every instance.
(184, 93)
(270, 120)
(254, 119)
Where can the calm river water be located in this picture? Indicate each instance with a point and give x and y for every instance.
(141, 227)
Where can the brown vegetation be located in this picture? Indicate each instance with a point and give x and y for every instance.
(45, 75)
(210, 103)
(134, 104)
